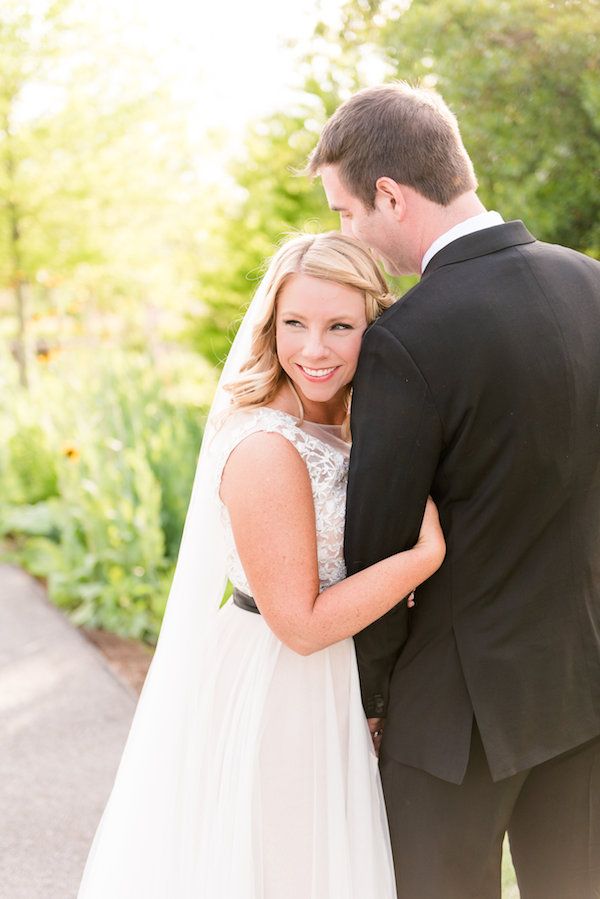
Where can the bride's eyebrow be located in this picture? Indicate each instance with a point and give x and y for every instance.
(346, 316)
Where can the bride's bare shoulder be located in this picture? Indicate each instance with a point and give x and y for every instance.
(261, 464)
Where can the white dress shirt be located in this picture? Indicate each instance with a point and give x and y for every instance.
(475, 223)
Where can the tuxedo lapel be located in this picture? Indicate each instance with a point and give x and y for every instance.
(480, 243)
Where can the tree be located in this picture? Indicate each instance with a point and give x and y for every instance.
(25, 46)
(98, 184)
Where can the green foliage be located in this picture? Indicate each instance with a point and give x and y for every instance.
(32, 466)
(99, 192)
(41, 519)
(123, 454)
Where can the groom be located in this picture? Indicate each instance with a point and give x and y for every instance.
(480, 387)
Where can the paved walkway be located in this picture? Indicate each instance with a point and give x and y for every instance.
(64, 718)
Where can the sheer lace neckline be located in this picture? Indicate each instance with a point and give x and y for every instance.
(329, 434)
(296, 419)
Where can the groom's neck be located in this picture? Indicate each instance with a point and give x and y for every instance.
(434, 220)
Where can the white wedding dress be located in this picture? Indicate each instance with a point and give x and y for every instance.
(284, 769)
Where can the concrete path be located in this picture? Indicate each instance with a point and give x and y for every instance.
(64, 718)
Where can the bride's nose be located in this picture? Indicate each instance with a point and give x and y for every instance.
(315, 346)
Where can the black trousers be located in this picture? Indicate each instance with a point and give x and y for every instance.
(447, 839)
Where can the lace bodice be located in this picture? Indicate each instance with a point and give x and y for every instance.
(327, 466)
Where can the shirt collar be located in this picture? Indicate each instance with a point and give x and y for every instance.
(474, 223)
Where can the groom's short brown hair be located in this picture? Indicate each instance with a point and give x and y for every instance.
(402, 132)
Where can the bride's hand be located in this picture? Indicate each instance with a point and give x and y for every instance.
(431, 537)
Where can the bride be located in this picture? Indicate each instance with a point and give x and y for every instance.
(249, 771)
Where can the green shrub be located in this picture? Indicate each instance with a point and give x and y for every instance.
(97, 474)
(32, 466)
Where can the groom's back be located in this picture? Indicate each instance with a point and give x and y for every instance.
(508, 343)
(512, 356)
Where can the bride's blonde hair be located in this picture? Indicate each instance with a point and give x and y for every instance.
(330, 256)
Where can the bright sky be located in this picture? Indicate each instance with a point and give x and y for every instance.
(229, 61)
(230, 56)
(232, 61)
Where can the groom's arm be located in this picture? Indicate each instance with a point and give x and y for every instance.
(396, 444)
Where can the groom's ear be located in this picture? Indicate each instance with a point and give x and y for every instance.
(389, 197)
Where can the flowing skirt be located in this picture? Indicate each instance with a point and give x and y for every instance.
(278, 795)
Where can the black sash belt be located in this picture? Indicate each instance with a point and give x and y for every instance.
(243, 601)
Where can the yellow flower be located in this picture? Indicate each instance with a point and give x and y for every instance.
(70, 451)
(44, 353)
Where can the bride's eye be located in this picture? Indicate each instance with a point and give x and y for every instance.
(341, 326)
(291, 321)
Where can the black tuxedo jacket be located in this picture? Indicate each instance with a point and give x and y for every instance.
(481, 387)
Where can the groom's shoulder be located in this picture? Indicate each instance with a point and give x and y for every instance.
(556, 255)
(451, 294)
(565, 253)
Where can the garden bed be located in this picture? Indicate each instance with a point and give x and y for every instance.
(129, 659)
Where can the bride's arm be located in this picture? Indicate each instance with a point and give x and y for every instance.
(267, 491)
